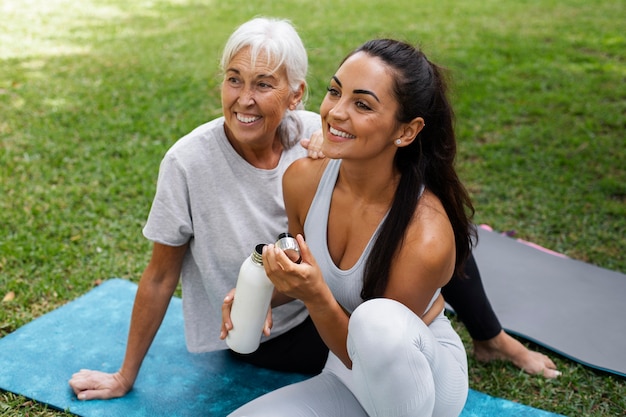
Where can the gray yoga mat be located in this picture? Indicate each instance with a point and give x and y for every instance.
(568, 306)
(38, 359)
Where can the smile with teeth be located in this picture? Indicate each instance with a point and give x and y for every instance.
(247, 119)
(341, 134)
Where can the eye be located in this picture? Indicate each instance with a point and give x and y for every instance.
(332, 91)
(232, 80)
(264, 85)
(362, 105)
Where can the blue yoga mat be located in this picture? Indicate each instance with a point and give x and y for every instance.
(38, 359)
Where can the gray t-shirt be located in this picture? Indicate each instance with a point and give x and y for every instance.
(209, 196)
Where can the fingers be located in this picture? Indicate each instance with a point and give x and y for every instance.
(279, 268)
(550, 371)
(275, 259)
(315, 154)
(540, 364)
(227, 305)
(268, 322)
(87, 395)
(92, 394)
(313, 145)
(96, 385)
(77, 382)
(305, 252)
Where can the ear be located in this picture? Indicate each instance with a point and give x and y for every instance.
(297, 96)
(409, 131)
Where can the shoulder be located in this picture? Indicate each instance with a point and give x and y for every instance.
(431, 226)
(300, 183)
(430, 238)
(200, 137)
(305, 172)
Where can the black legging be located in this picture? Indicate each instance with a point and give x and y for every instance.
(302, 350)
(467, 297)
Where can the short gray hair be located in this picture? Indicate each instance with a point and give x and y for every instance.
(278, 39)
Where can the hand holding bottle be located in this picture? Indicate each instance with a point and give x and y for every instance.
(246, 312)
(250, 305)
(301, 280)
(227, 323)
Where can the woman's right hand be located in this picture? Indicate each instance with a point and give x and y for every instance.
(298, 280)
(96, 385)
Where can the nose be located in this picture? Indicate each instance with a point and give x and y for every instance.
(338, 110)
(246, 96)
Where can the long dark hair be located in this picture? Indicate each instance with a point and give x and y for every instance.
(428, 161)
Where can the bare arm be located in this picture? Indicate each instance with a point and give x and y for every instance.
(425, 261)
(304, 281)
(156, 287)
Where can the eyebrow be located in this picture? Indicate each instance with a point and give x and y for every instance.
(357, 91)
(259, 76)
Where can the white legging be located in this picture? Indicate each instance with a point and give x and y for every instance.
(400, 367)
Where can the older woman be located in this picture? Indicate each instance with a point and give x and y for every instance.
(219, 194)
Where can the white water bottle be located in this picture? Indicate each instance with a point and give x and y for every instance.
(253, 295)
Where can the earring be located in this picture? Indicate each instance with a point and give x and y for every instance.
(398, 142)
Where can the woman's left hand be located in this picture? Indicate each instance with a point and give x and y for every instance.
(302, 280)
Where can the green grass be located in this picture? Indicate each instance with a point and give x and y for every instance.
(93, 93)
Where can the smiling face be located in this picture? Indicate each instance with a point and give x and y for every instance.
(359, 110)
(254, 99)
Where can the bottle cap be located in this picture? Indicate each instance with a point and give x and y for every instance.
(289, 245)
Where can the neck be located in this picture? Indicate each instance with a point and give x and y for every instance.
(369, 184)
(262, 153)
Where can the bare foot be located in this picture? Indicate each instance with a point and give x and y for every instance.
(505, 347)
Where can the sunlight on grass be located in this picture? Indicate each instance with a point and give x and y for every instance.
(93, 92)
(31, 27)
(61, 27)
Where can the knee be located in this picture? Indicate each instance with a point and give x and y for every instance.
(376, 328)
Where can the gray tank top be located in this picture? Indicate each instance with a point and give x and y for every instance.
(345, 284)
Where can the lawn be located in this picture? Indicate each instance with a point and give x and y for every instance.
(92, 93)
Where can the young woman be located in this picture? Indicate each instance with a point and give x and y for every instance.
(387, 223)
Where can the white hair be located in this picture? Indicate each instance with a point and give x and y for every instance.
(278, 39)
